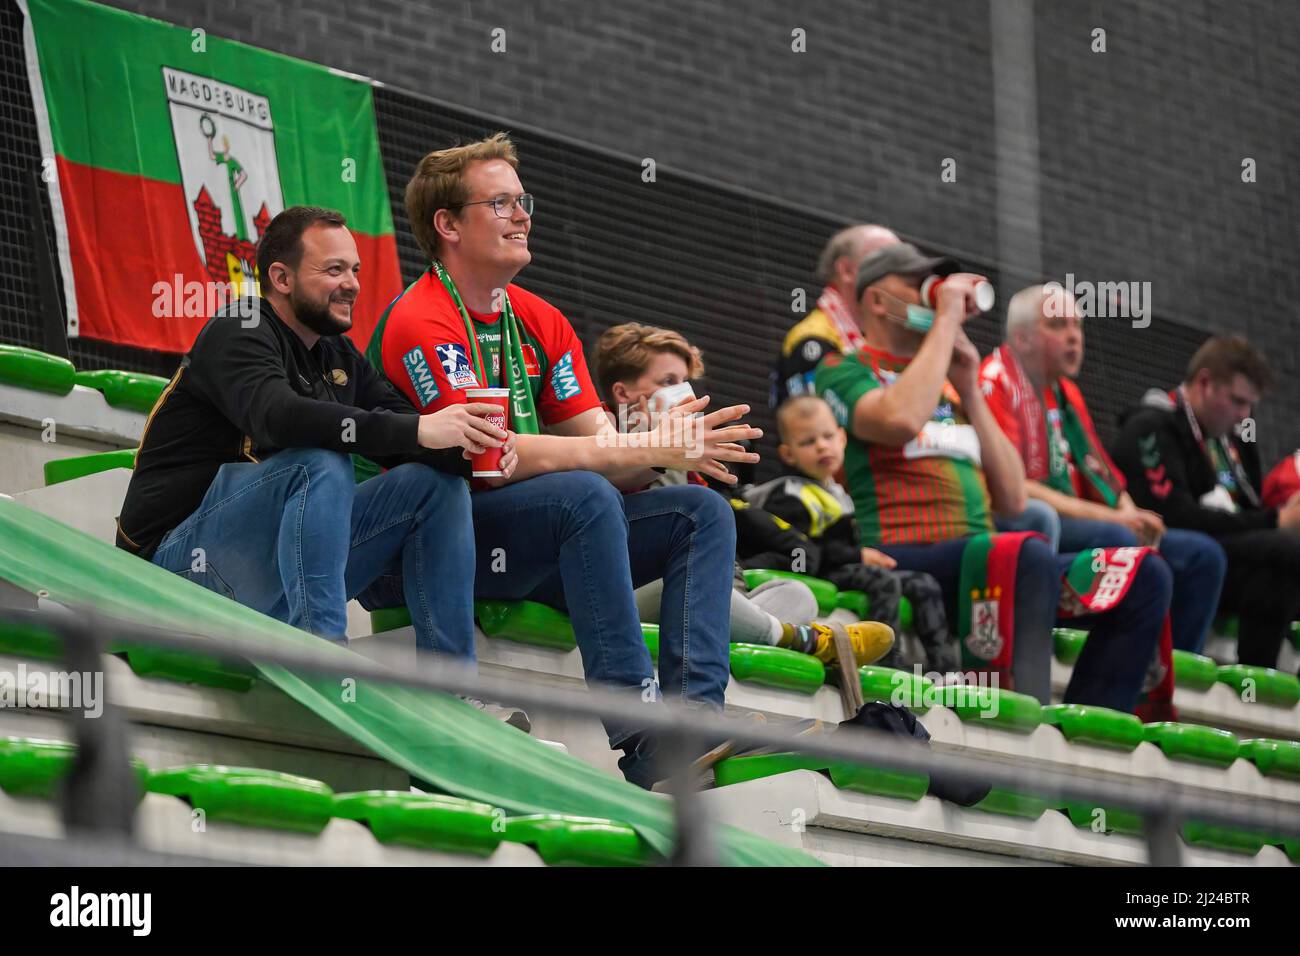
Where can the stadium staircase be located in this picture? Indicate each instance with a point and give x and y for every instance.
(283, 773)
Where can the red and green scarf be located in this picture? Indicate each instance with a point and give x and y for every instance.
(1097, 581)
(985, 606)
(1046, 441)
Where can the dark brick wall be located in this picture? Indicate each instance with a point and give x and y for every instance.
(1140, 147)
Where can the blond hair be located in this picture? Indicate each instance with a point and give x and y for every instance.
(624, 352)
(439, 183)
(802, 407)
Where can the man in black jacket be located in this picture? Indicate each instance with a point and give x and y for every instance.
(243, 481)
(1182, 459)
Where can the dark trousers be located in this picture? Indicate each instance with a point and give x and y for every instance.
(1263, 589)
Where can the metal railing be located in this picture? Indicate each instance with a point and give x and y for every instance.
(99, 795)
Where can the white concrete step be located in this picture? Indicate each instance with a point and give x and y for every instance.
(803, 809)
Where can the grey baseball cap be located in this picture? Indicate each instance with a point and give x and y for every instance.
(902, 258)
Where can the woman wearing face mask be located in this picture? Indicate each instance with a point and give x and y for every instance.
(641, 371)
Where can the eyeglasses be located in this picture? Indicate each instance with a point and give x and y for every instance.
(504, 206)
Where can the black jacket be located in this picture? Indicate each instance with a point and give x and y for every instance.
(242, 394)
(820, 525)
(1167, 471)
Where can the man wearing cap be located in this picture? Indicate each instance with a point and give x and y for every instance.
(1028, 382)
(928, 467)
(833, 325)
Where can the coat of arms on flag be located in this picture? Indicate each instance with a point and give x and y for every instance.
(984, 639)
(225, 147)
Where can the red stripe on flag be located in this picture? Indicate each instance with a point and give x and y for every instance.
(126, 234)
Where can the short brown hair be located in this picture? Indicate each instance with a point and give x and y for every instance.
(439, 183)
(801, 407)
(623, 353)
(282, 241)
(1224, 356)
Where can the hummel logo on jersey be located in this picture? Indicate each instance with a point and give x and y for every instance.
(417, 368)
(455, 363)
(563, 381)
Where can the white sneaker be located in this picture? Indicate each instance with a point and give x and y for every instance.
(513, 716)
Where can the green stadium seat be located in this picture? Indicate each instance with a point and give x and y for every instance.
(389, 619)
(1225, 625)
(1012, 804)
(424, 820)
(777, 667)
(857, 604)
(531, 623)
(134, 391)
(1095, 725)
(23, 640)
(1112, 820)
(880, 782)
(650, 634)
(1268, 686)
(881, 683)
(34, 768)
(993, 706)
(1195, 671)
(862, 779)
(1193, 742)
(1274, 758)
(29, 368)
(188, 668)
(79, 466)
(256, 798)
(1067, 644)
(563, 840)
(825, 592)
(1232, 839)
(527, 622)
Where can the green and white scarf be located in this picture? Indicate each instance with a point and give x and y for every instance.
(523, 410)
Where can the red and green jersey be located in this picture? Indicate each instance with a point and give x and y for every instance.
(422, 346)
(170, 152)
(932, 488)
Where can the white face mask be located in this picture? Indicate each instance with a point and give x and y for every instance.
(670, 395)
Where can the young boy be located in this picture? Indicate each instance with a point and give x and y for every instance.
(818, 509)
(633, 364)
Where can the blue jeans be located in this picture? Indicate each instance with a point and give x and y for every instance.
(571, 540)
(1121, 642)
(295, 537)
(1038, 516)
(1197, 561)
(1038, 587)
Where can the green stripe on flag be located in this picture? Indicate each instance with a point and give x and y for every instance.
(103, 74)
(971, 583)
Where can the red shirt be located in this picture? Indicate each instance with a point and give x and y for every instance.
(1003, 399)
(426, 352)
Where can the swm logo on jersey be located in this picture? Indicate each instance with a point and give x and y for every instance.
(417, 367)
(563, 381)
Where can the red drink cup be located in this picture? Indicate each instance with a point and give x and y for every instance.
(487, 464)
